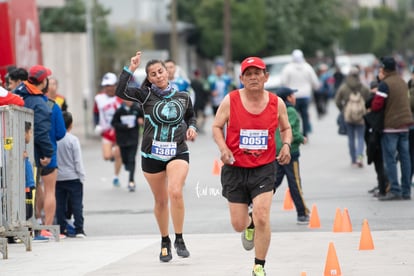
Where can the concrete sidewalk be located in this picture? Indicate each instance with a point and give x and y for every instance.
(215, 254)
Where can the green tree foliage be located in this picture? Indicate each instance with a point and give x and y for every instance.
(248, 28)
(247, 24)
(283, 33)
(263, 27)
(369, 36)
(307, 25)
(405, 45)
(70, 18)
(382, 31)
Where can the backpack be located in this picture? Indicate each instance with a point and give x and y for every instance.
(355, 110)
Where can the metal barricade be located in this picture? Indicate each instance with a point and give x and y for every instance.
(12, 171)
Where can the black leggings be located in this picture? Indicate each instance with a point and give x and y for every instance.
(128, 155)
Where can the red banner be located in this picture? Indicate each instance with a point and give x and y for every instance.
(19, 34)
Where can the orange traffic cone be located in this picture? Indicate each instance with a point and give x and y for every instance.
(346, 222)
(314, 221)
(288, 202)
(366, 243)
(216, 167)
(332, 265)
(337, 227)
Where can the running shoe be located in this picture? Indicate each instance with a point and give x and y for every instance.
(70, 229)
(373, 190)
(115, 182)
(302, 220)
(247, 237)
(360, 162)
(45, 233)
(39, 238)
(165, 254)
(48, 234)
(182, 251)
(80, 234)
(258, 270)
(131, 186)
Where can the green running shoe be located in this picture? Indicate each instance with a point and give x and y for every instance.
(258, 270)
(247, 237)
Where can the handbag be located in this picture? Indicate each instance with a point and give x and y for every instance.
(341, 124)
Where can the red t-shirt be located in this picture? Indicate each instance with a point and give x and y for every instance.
(249, 136)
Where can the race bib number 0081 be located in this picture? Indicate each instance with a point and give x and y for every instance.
(254, 139)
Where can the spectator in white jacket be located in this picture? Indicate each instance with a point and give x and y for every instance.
(300, 75)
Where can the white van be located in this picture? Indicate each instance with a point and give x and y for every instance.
(346, 62)
(274, 65)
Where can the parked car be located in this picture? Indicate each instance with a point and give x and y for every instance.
(345, 62)
(274, 65)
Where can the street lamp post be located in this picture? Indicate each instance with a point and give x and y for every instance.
(91, 63)
(227, 33)
(174, 35)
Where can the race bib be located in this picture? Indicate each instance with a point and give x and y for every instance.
(164, 150)
(128, 120)
(254, 139)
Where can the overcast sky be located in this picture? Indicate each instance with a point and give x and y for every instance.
(124, 11)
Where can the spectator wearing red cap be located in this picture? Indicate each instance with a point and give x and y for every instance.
(31, 92)
(250, 117)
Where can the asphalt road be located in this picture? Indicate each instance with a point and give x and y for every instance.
(123, 238)
(329, 182)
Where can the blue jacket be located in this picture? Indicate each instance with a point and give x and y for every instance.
(29, 173)
(57, 128)
(33, 99)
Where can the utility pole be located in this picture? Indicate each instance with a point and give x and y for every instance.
(174, 35)
(91, 62)
(227, 34)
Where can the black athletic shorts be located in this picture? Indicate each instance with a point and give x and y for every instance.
(241, 185)
(46, 171)
(150, 165)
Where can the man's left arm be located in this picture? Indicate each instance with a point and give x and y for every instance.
(285, 134)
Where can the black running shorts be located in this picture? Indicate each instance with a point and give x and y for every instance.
(241, 185)
(150, 165)
(46, 171)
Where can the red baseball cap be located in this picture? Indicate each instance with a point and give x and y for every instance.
(38, 73)
(252, 62)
